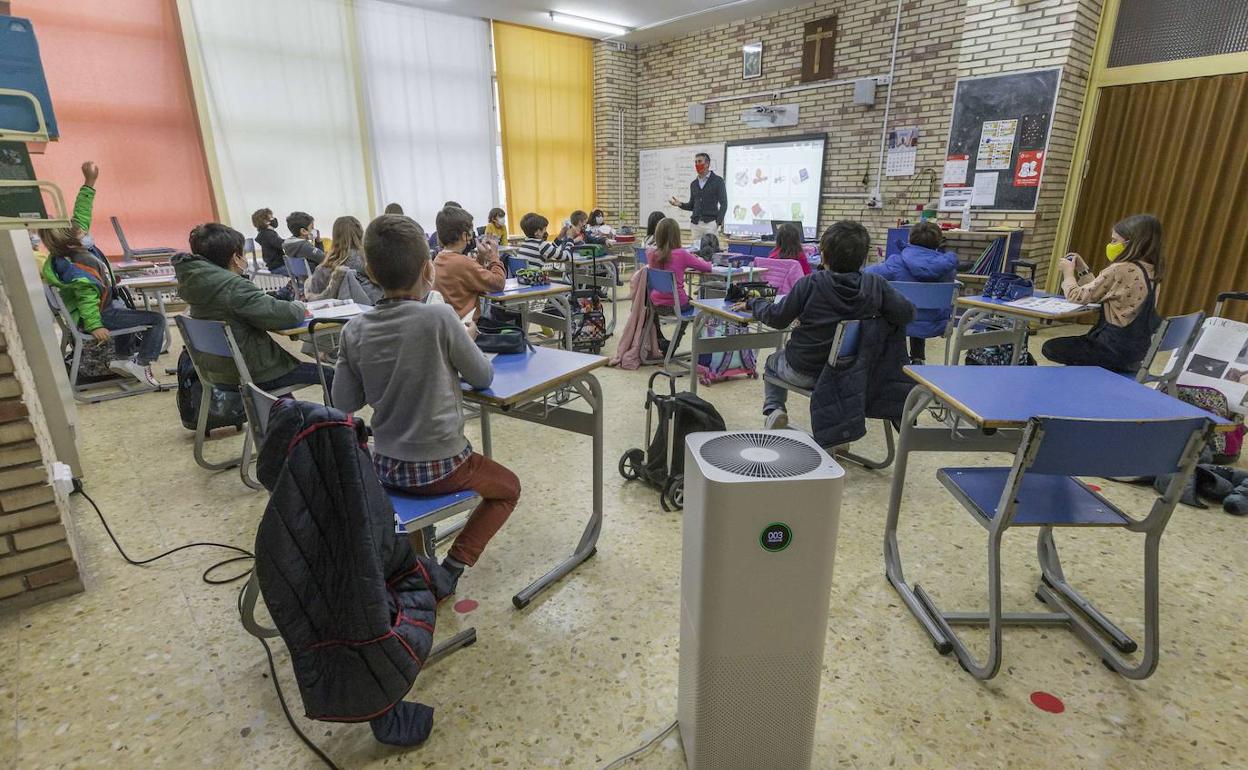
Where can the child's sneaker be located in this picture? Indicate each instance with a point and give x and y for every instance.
(777, 419)
(133, 369)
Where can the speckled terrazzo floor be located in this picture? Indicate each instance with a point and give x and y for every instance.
(150, 667)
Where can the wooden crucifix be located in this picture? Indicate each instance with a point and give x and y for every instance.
(818, 49)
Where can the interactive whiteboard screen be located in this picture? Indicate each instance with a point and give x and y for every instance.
(774, 179)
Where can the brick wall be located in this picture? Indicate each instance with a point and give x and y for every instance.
(615, 131)
(940, 41)
(36, 560)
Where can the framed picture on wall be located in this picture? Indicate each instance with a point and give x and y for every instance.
(752, 60)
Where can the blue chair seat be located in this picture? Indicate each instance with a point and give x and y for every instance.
(1044, 500)
(410, 510)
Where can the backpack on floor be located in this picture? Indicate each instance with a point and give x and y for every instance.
(683, 413)
(716, 367)
(224, 408)
(1226, 446)
(589, 322)
(1000, 355)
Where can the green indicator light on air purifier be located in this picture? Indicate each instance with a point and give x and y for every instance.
(775, 537)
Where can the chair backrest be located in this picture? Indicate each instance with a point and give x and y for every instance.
(1110, 448)
(211, 338)
(298, 268)
(664, 282)
(121, 237)
(514, 263)
(844, 341)
(1177, 336)
(59, 311)
(928, 296)
(639, 252)
(781, 273)
(257, 403)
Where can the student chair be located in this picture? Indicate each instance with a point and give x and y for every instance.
(929, 296)
(843, 351)
(425, 510)
(1040, 490)
(299, 273)
(639, 253)
(1176, 336)
(74, 342)
(134, 255)
(324, 337)
(214, 338)
(515, 264)
(664, 282)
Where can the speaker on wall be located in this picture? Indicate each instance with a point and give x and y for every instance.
(697, 114)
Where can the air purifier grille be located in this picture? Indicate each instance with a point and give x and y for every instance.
(761, 455)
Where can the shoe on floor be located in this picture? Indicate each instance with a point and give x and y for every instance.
(134, 370)
(777, 419)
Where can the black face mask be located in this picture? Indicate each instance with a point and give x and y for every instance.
(472, 245)
(273, 222)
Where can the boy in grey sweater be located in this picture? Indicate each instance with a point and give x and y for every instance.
(405, 358)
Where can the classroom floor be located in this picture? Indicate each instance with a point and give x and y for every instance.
(150, 667)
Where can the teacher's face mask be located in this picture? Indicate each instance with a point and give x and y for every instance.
(701, 167)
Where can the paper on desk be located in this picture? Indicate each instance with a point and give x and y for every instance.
(1054, 305)
(511, 284)
(340, 309)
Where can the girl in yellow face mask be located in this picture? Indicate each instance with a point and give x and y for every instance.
(1126, 292)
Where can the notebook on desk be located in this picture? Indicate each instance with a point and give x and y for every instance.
(1054, 305)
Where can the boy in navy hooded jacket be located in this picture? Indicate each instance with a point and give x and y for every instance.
(922, 262)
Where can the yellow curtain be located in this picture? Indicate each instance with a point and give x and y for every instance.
(546, 105)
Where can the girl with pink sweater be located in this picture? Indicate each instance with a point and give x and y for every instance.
(667, 254)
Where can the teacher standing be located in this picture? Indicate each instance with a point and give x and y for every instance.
(708, 199)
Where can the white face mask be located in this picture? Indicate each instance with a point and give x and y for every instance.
(86, 240)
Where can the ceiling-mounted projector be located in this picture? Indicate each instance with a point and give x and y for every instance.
(770, 115)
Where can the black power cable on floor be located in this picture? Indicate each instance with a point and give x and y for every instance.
(268, 652)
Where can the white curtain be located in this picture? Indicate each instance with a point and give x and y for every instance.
(280, 87)
(429, 95)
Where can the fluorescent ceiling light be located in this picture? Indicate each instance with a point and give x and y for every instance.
(594, 25)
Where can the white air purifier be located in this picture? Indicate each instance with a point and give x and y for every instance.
(760, 519)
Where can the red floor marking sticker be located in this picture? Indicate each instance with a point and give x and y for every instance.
(464, 606)
(1094, 488)
(1045, 702)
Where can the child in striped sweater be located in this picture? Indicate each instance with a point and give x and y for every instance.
(535, 248)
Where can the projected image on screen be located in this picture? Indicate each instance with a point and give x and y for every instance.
(774, 180)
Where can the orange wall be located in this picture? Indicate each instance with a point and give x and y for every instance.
(117, 74)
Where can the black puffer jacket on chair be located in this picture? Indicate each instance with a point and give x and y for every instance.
(353, 602)
(871, 385)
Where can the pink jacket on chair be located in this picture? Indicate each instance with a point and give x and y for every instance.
(781, 273)
(639, 344)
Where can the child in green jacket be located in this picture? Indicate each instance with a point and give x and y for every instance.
(85, 282)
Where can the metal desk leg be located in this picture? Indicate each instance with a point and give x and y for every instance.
(916, 402)
(953, 354)
(565, 302)
(487, 446)
(591, 392)
(699, 323)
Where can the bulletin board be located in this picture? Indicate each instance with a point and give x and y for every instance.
(998, 140)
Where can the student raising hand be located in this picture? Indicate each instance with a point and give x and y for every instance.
(90, 173)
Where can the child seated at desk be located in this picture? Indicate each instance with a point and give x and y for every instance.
(598, 225)
(346, 258)
(462, 278)
(1127, 292)
(303, 240)
(270, 243)
(580, 234)
(652, 224)
(922, 261)
(668, 255)
(83, 278)
(789, 246)
(535, 249)
(496, 226)
(836, 292)
(211, 280)
(406, 359)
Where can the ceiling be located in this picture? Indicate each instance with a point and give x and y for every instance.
(636, 14)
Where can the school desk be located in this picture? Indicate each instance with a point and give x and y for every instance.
(757, 338)
(516, 293)
(151, 287)
(977, 309)
(988, 407)
(295, 332)
(526, 387)
(721, 277)
(133, 266)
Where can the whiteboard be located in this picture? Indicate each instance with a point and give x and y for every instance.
(668, 171)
